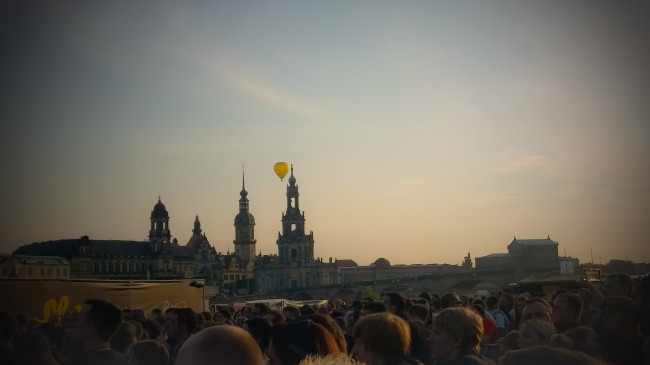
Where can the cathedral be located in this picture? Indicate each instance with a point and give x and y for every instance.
(162, 258)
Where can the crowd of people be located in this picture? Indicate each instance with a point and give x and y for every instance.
(590, 325)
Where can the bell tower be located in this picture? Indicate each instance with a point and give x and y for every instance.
(293, 244)
(244, 228)
(159, 233)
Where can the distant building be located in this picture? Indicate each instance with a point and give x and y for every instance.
(524, 254)
(295, 265)
(158, 258)
(240, 272)
(34, 267)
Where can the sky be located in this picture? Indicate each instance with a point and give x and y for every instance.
(419, 131)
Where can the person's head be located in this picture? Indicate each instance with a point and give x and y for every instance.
(274, 316)
(507, 302)
(492, 302)
(508, 342)
(617, 285)
(520, 303)
(449, 300)
(182, 324)
(621, 315)
(221, 316)
(223, 345)
(418, 313)
(260, 329)
(98, 321)
(567, 309)
(373, 307)
(382, 336)
(149, 352)
(291, 313)
(394, 302)
(246, 312)
(332, 327)
(455, 331)
(293, 341)
(479, 307)
(584, 339)
(537, 308)
(330, 360)
(32, 347)
(124, 338)
(259, 309)
(535, 332)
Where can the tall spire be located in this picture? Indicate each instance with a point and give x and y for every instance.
(197, 225)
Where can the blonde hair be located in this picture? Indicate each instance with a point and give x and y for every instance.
(340, 359)
(385, 335)
(462, 324)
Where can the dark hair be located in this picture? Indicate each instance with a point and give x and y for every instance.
(260, 329)
(104, 316)
(295, 340)
(396, 299)
(573, 301)
(375, 307)
(449, 299)
(623, 280)
(419, 311)
(187, 317)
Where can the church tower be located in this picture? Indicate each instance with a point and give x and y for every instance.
(244, 229)
(159, 232)
(293, 244)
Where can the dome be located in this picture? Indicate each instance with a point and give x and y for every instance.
(159, 210)
(244, 218)
(381, 262)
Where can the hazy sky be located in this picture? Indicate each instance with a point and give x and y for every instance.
(419, 131)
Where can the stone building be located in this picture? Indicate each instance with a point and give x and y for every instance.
(34, 267)
(523, 254)
(158, 258)
(294, 266)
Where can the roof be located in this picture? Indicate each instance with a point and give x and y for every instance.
(47, 260)
(67, 248)
(159, 210)
(346, 263)
(496, 255)
(534, 242)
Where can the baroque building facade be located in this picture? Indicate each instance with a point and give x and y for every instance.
(294, 266)
(525, 254)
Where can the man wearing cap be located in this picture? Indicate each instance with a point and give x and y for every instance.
(500, 317)
(622, 343)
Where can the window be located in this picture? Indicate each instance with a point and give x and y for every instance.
(65, 272)
(58, 271)
(29, 271)
(49, 271)
(42, 271)
(225, 277)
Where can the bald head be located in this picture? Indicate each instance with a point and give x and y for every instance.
(224, 345)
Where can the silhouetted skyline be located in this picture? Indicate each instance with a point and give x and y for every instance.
(418, 131)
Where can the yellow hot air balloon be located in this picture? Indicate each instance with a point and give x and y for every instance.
(281, 169)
